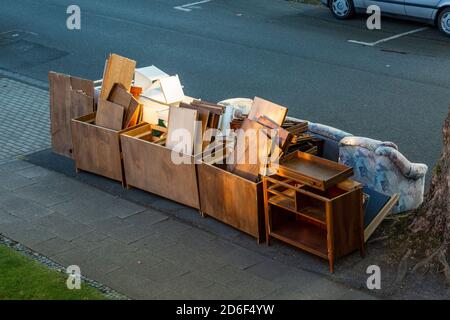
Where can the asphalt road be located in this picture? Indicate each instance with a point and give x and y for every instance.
(293, 54)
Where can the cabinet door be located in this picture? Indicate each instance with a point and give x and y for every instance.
(421, 8)
(388, 6)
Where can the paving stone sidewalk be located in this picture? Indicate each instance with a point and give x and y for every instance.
(138, 251)
(24, 114)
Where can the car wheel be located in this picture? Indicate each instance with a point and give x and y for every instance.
(342, 9)
(444, 21)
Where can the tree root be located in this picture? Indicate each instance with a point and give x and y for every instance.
(378, 239)
(398, 217)
(424, 263)
(442, 259)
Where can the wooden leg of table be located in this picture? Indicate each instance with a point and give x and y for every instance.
(202, 214)
(331, 263)
(77, 170)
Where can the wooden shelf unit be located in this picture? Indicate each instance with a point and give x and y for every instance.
(326, 223)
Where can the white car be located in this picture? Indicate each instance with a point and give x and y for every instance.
(436, 12)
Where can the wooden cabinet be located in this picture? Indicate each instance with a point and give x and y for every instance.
(149, 166)
(327, 223)
(97, 149)
(231, 199)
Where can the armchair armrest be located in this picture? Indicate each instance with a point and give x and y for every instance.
(410, 170)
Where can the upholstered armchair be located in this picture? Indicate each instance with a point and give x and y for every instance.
(380, 166)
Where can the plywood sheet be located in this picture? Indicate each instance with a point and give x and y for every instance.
(245, 165)
(109, 115)
(181, 119)
(65, 105)
(118, 70)
(261, 107)
(131, 117)
(120, 95)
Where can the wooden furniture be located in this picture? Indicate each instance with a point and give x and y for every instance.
(70, 97)
(97, 149)
(149, 166)
(328, 223)
(231, 199)
(312, 170)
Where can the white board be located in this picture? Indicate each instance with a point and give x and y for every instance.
(181, 130)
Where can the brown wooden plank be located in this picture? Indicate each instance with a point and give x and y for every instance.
(109, 115)
(79, 84)
(244, 165)
(63, 108)
(283, 136)
(59, 91)
(120, 95)
(261, 107)
(118, 69)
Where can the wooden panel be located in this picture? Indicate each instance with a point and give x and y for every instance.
(231, 199)
(120, 95)
(79, 84)
(117, 70)
(67, 103)
(109, 115)
(370, 229)
(181, 118)
(59, 87)
(244, 165)
(149, 167)
(132, 114)
(347, 222)
(283, 136)
(82, 104)
(96, 149)
(261, 107)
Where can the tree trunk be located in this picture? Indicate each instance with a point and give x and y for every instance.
(431, 226)
(433, 216)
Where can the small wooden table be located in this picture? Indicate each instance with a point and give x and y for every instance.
(327, 223)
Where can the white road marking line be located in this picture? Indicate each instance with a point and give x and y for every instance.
(185, 7)
(372, 44)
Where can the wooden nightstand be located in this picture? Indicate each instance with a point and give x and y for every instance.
(326, 223)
